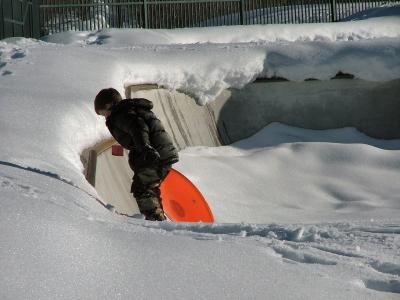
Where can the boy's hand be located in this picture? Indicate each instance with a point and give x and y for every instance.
(150, 155)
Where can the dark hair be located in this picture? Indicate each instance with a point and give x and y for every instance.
(104, 97)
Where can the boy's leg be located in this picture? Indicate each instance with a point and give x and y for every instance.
(163, 171)
(146, 190)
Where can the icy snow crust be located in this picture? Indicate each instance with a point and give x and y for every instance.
(333, 195)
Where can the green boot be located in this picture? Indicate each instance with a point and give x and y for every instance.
(151, 208)
(157, 215)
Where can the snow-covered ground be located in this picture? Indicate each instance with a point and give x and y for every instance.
(326, 202)
(286, 174)
(374, 12)
(373, 28)
(309, 13)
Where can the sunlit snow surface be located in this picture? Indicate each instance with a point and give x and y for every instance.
(286, 174)
(326, 202)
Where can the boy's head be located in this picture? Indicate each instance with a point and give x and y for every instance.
(105, 99)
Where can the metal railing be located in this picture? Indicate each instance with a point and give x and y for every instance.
(97, 14)
(41, 17)
(19, 18)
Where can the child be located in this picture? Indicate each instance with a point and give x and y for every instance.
(132, 123)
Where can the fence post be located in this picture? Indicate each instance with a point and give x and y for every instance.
(242, 20)
(118, 9)
(8, 27)
(146, 21)
(17, 21)
(333, 11)
(2, 35)
(35, 19)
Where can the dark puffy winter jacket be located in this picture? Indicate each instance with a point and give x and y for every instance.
(135, 126)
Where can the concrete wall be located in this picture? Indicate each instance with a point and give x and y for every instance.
(111, 176)
(188, 123)
(371, 107)
(113, 181)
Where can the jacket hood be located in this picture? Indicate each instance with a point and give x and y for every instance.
(127, 104)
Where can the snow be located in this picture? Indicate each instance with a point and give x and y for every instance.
(326, 202)
(309, 13)
(185, 59)
(382, 11)
(330, 176)
(374, 28)
(57, 244)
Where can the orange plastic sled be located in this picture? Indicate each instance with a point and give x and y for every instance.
(182, 201)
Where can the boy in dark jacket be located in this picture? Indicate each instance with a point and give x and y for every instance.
(132, 123)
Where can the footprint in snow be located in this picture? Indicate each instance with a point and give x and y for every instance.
(18, 54)
(301, 257)
(386, 267)
(5, 183)
(338, 252)
(25, 190)
(389, 286)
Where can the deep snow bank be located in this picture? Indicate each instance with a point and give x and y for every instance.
(38, 77)
(285, 174)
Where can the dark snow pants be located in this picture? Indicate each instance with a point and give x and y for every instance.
(146, 187)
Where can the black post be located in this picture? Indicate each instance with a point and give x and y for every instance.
(242, 12)
(2, 35)
(145, 14)
(119, 14)
(333, 11)
(18, 21)
(36, 19)
(8, 27)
